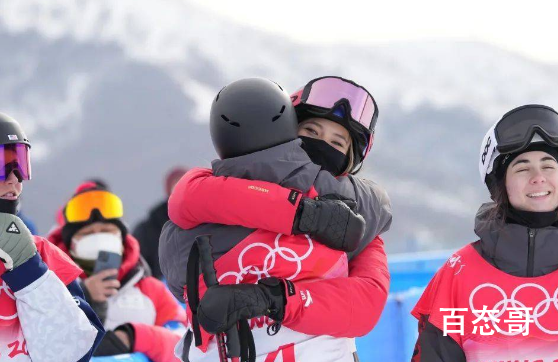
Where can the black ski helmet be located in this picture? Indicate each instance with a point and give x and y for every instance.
(11, 132)
(250, 115)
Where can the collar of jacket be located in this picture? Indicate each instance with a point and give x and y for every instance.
(506, 245)
(531, 219)
(286, 164)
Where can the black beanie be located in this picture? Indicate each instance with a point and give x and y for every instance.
(508, 159)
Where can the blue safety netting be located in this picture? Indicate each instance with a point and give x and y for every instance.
(132, 357)
(393, 339)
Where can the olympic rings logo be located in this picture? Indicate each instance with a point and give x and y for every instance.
(5, 289)
(540, 309)
(262, 270)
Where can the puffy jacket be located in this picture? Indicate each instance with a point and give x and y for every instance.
(262, 190)
(237, 188)
(142, 301)
(506, 246)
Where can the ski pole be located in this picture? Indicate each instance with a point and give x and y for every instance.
(232, 346)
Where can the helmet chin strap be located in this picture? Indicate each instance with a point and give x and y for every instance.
(9, 206)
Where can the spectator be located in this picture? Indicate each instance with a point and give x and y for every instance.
(512, 265)
(133, 307)
(89, 183)
(148, 231)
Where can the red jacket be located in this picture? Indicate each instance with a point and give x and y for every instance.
(151, 338)
(357, 300)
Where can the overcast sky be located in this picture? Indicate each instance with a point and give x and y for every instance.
(530, 28)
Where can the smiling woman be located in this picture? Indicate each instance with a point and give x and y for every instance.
(531, 181)
(520, 163)
(518, 232)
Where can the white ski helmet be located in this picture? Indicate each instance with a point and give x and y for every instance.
(513, 133)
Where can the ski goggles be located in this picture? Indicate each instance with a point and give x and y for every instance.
(327, 92)
(516, 129)
(15, 157)
(80, 207)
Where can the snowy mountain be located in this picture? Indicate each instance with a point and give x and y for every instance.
(121, 90)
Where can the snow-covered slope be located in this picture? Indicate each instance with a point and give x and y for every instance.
(122, 89)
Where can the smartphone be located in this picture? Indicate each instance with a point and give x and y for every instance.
(107, 260)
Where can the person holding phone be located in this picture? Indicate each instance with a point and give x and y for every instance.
(133, 306)
(43, 313)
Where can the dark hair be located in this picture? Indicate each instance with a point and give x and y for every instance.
(500, 197)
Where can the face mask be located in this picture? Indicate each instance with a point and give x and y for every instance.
(323, 154)
(9, 206)
(89, 246)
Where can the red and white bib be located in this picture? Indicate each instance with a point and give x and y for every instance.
(492, 315)
(264, 254)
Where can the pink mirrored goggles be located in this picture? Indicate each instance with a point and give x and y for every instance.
(327, 91)
(14, 157)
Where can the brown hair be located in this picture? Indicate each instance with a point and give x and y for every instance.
(500, 197)
(351, 155)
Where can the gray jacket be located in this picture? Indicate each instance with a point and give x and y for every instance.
(516, 249)
(287, 165)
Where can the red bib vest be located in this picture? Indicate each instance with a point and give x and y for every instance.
(492, 315)
(264, 254)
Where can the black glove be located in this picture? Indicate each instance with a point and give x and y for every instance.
(222, 306)
(111, 345)
(349, 202)
(331, 222)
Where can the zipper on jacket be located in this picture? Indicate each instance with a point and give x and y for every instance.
(531, 253)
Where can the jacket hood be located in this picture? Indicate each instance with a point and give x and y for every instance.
(506, 245)
(286, 164)
(130, 257)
